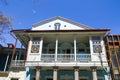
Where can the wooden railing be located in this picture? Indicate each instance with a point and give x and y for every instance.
(83, 57)
(17, 63)
(48, 58)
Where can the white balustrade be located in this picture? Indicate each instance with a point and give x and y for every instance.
(48, 58)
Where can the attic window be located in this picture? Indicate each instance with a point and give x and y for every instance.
(64, 25)
(57, 26)
(49, 25)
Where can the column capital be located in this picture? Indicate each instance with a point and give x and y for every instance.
(76, 72)
(37, 72)
(55, 67)
(38, 67)
(55, 72)
(93, 68)
(76, 67)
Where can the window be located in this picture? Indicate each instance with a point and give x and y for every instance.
(83, 79)
(109, 38)
(96, 38)
(34, 78)
(96, 44)
(36, 40)
(118, 54)
(35, 45)
(49, 79)
(35, 49)
(115, 38)
(100, 78)
(14, 79)
(117, 77)
(51, 51)
(113, 58)
(57, 26)
(97, 49)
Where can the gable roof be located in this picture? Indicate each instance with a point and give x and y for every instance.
(63, 19)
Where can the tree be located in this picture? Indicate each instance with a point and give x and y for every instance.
(5, 24)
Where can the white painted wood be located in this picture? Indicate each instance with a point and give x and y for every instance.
(41, 46)
(75, 47)
(56, 49)
(64, 26)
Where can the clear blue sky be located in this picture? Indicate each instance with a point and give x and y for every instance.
(94, 13)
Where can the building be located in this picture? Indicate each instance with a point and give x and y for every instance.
(6, 57)
(61, 49)
(113, 52)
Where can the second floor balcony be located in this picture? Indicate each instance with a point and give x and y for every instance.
(65, 57)
(60, 60)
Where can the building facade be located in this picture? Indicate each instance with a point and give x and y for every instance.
(6, 55)
(113, 52)
(61, 49)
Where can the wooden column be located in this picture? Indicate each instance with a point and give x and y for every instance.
(56, 49)
(75, 53)
(55, 69)
(94, 73)
(76, 73)
(37, 73)
(41, 46)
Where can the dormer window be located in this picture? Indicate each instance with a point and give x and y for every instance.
(57, 26)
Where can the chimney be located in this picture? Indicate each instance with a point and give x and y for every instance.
(10, 45)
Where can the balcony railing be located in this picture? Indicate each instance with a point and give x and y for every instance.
(66, 57)
(17, 63)
(83, 57)
(48, 58)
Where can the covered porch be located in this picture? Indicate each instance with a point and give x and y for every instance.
(67, 47)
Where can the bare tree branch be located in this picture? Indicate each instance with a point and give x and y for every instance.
(5, 23)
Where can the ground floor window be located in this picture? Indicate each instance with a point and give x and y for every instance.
(83, 78)
(100, 79)
(117, 77)
(14, 79)
(49, 79)
(34, 78)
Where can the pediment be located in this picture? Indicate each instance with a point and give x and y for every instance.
(59, 23)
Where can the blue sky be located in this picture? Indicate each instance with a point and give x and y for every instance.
(94, 13)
